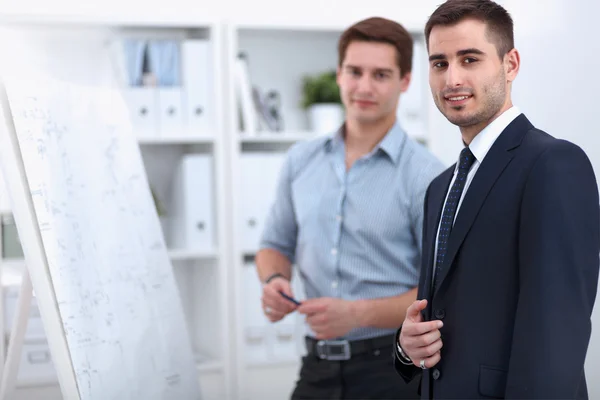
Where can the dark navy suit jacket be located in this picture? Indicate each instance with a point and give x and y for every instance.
(520, 276)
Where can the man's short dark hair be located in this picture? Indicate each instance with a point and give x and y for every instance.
(498, 21)
(381, 30)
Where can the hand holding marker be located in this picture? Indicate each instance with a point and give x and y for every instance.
(296, 302)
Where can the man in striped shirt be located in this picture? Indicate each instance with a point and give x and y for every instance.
(348, 214)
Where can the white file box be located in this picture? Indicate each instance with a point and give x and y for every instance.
(4, 199)
(256, 325)
(198, 78)
(256, 345)
(412, 108)
(36, 366)
(35, 328)
(192, 225)
(170, 112)
(252, 292)
(143, 110)
(259, 177)
(283, 340)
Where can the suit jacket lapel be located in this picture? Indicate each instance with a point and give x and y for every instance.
(488, 173)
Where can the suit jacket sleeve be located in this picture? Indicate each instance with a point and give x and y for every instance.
(559, 244)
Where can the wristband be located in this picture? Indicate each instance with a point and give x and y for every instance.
(403, 357)
(273, 276)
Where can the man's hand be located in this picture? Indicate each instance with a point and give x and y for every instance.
(274, 304)
(328, 317)
(421, 340)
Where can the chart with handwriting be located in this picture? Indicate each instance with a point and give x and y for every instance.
(112, 277)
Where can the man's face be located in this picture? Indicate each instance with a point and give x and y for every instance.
(369, 81)
(469, 82)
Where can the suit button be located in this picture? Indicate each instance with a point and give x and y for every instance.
(440, 313)
(436, 374)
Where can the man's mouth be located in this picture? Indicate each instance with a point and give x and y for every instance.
(364, 102)
(458, 99)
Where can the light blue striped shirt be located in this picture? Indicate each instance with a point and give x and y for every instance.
(353, 234)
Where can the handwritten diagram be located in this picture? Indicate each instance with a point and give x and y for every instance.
(116, 293)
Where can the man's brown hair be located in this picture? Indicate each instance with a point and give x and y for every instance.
(498, 21)
(381, 30)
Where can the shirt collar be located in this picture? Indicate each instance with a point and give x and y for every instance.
(481, 144)
(392, 142)
(336, 141)
(390, 145)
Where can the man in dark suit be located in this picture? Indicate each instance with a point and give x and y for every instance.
(511, 233)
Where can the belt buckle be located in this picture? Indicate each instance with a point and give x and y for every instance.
(333, 350)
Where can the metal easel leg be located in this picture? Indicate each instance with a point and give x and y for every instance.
(17, 336)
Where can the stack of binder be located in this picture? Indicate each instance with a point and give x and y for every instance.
(167, 85)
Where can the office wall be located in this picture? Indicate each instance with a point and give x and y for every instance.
(558, 88)
(558, 84)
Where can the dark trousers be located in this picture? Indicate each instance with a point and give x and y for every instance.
(368, 375)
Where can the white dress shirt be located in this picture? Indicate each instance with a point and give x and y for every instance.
(480, 146)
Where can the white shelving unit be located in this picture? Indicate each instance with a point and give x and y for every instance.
(173, 140)
(278, 58)
(80, 51)
(236, 348)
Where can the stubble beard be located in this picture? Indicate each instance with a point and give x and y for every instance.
(493, 95)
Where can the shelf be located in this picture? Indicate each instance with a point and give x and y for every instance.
(11, 265)
(176, 140)
(276, 137)
(292, 137)
(12, 271)
(184, 254)
(296, 26)
(37, 383)
(273, 363)
(207, 364)
(30, 338)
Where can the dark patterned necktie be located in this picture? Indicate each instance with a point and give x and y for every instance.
(464, 164)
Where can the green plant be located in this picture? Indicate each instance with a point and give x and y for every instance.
(321, 88)
(158, 204)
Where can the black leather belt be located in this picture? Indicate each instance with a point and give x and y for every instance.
(337, 350)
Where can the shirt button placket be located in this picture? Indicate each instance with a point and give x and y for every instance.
(338, 233)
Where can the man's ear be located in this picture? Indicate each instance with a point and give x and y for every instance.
(405, 82)
(512, 62)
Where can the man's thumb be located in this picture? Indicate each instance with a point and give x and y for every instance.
(285, 287)
(414, 311)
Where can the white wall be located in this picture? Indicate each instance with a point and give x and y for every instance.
(558, 84)
(558, 88)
